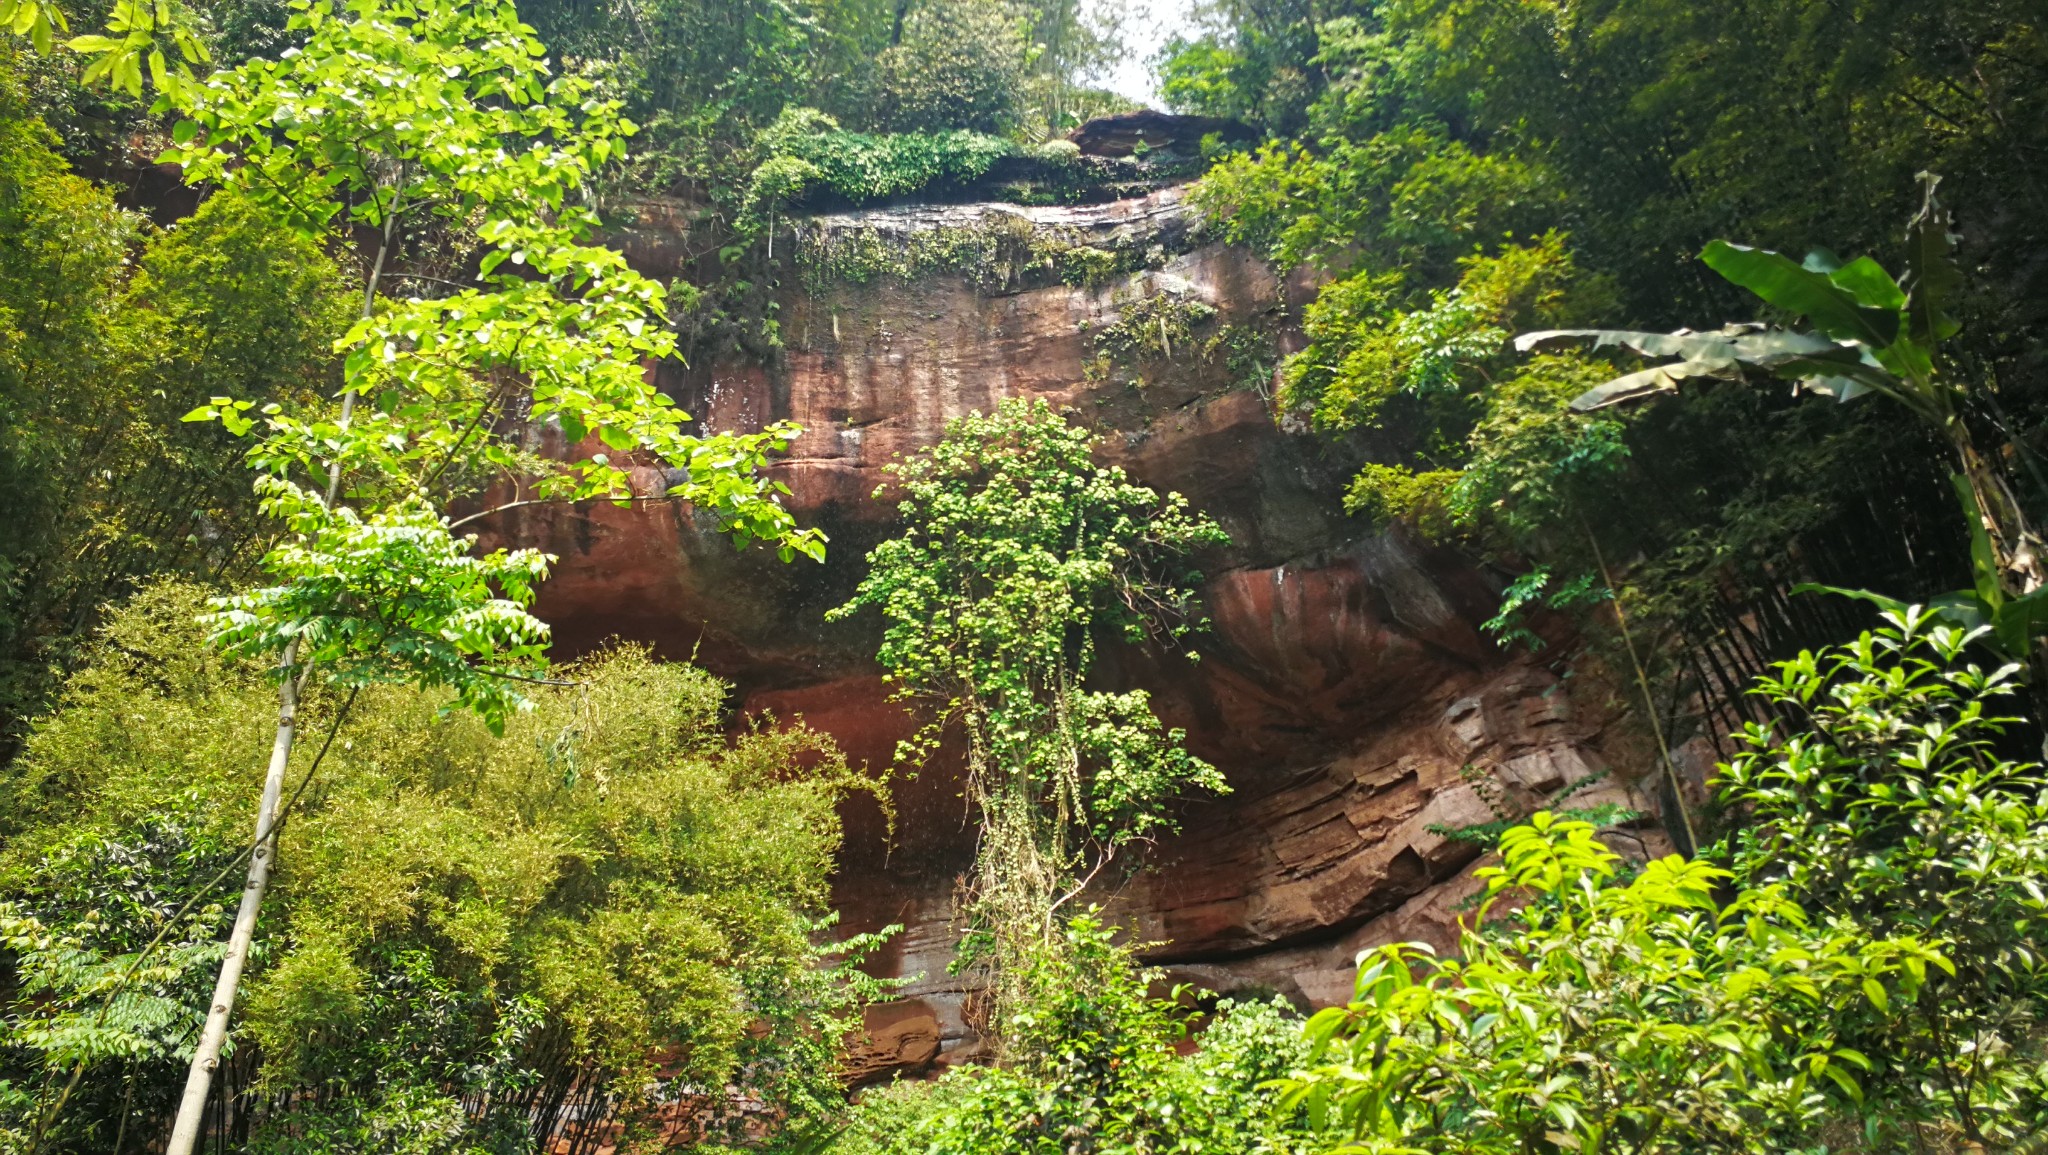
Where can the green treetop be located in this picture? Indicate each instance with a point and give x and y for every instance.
(397, 121)
(396, 117)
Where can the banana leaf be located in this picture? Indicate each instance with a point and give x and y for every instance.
(1932, 275)
(1803, 292)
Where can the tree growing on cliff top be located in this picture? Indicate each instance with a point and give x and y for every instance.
(399, 119)
(1019, 553)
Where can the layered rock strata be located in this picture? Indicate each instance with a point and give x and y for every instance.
(1344, 687)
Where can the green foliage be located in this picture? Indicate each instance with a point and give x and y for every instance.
(1534, 588)
(1072, 43)
(707, 77)
(1535, 464)
(991, 254)
(1148, 328)
(76, 935)
(1388, 493)
(608, 890)
(112, 942)
(61, 248)
(1100, 1072)
(1365, 352)
(998, 254)
(1870, 335)
(1385, 181)
(38, 21)
(958, 64)
(151, 34)
(389, 597)
(1195, 77)
(1019, 555)
(1497, 455)
(807, 149)
(1854, 970)
(143, 33)
(1894, 810)
(401, 111)
(1249, 353)
(2008, 626)
(1414, 135)
(1254, 64)
(99, 355)
(1647, 1016)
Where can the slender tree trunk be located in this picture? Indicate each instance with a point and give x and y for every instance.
(192, 1108)
(1685, 826)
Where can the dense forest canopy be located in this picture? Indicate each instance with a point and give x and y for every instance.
(1710, 330)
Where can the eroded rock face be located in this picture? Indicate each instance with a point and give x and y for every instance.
(1344, 687)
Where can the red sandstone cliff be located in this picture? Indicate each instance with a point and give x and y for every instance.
(1344, 689)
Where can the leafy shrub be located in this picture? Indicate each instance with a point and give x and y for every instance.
(1150, 327)
(1198, 76)
(1019, 553)
(959, 65)
(1388, 493)
(1643, 1016)
(1366, 354)
(109, 331)
(74, 934)
(1895, 810)
(1096, 1070)
(609, 892)
(1058, 151)
(808, 150)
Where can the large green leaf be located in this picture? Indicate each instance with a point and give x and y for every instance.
(1824, 366)
(1683, 343)
(1815, 296)
(1749, 343)
(2019, 621)
(1932, 275)
(1887, 604)
(1960, 609)
(1983, 555)
(1862, 278)
(1872, 287)
(1844, 378)
(1657, 379)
